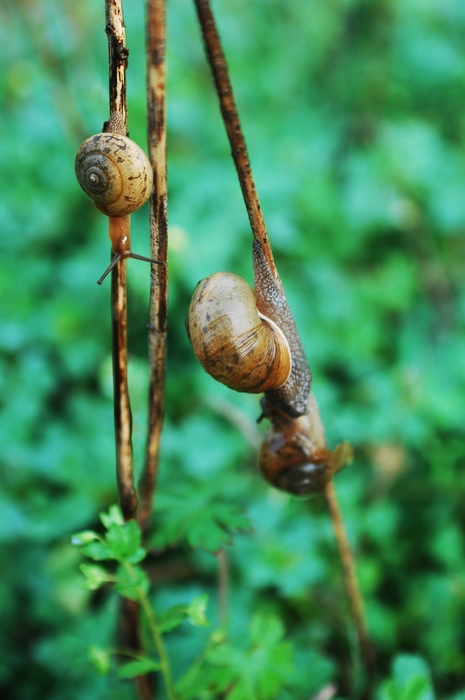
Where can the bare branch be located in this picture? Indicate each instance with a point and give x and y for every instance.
(219, 68)
(156, 114)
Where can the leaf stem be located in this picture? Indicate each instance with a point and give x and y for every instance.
(350, 579)
(157, 638)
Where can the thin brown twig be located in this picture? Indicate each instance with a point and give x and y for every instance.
(129, 617)
(122, 409)
(219, 68)
(351, 584)
(117, 62)
(156, 116)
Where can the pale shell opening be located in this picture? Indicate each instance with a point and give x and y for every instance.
(283, 340)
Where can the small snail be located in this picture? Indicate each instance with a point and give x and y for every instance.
(294, 456)
(117, 175)
(247, 339)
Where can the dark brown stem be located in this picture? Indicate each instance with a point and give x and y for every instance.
(122, 408)
(117, 62)
(351, 584)
(156, 115)
(117, 59)
(219, 68)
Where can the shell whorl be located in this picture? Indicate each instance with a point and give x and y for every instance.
(114, 172)
(234, 343)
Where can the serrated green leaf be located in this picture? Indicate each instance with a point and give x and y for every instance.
(113, 517)
(138, 667)
(411, 680)
(202, 520)
(130, 583)
(172, 618)
(196, 611)
(124, 542)
(98, 551)
(95, 576)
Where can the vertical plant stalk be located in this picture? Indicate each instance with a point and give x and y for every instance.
(223, 587)
(351, 584)
(156, 117)
(121, 404)
(220, 72)
(117, 63)
(129, 616)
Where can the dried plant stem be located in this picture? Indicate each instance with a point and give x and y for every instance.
(117, 59)
(219, 68)
(156, 115)
(122, 408)
(351, 583)
(117, 62)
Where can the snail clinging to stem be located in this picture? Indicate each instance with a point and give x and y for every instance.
(247, 339)
(117, 175)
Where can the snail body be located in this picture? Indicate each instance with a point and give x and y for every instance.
(294, 456)
(291, 397)
(236, 344)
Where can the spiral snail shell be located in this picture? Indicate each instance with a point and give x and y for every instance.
(236, 344)
(294, 456)
(115, 172)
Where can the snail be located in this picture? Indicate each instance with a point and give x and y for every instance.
(233, 341)
(117, 175)
(248, 339)
(294, 456)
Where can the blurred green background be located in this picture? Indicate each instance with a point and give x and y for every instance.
(354, 115)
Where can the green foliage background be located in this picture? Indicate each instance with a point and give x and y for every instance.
(354, 116)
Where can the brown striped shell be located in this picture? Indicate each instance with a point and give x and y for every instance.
(236, 344)
(114, 172)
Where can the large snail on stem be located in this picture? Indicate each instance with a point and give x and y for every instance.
(117, 175)
(248, 341)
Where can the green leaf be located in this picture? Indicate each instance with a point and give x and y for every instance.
(96, 576)
(131, 581)
(172, 618)
(84, 537)
(196, 611)
(124, 542)
(100, 658)
(113, 517)
(411, 680)
(260, 671)
(266, 630)
(175, 616)
(138, 667)
(202, 520)
(98, 551)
